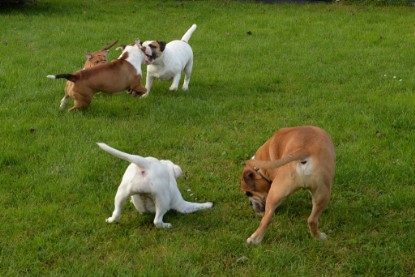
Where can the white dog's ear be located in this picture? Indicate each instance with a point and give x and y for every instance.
(177, 171)
(162, 45)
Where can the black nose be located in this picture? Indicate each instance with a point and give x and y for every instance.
(258, 207)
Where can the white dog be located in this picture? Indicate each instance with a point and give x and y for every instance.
(167, 61)
(152, 185)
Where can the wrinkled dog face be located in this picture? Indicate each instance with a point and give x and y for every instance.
(255, 187)
(96, 58)
(153, 49)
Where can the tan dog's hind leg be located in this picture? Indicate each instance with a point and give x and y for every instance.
(81, 102)
(321, 198)
(281, 187)
(137, 88)
(64, 101)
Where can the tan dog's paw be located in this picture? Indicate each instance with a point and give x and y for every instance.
(321, 236)
(254, 241)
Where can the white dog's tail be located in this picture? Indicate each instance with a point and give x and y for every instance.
(189, 33)
(138, 160)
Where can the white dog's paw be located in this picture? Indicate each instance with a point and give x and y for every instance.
(209, 205)
(110, 220)
(185, 88)
(173, 88)
(163, 225)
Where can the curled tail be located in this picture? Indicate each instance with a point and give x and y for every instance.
(138, 160)
(278, 163)
(189, 33)
(69, 77)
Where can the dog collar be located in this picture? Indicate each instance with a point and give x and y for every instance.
(258, 170)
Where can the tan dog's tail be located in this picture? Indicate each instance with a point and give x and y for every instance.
(70, 77)
(109, 46)
(296, 156)
(189, 33)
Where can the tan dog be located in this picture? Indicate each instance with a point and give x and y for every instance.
(294, 158)
(93, 59)
(121, 74)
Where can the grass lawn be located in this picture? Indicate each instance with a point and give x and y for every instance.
(258, 67)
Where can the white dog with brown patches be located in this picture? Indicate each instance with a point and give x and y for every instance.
(167, 61)
(152, 185)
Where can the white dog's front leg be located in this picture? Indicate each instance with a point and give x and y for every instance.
(149, 83)
(120, 197)
(175, 84)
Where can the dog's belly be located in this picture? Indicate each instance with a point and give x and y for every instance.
(144, 203)
(162, 73)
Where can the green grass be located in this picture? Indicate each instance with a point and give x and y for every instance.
(348, 69)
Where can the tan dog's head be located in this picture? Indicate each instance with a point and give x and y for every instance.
(153, 49)
(98, 57)
(256, 187)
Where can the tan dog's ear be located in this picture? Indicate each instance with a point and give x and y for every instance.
(248, 176)
(162, 45)
(88, 55)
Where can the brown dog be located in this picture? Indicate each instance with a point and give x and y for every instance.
(93, 59)
(121, 74)
(294, 158)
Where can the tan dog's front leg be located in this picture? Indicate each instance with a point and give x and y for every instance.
(258, 235)
(280, 189)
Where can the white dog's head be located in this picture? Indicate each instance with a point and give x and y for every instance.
(153, 49)
(173, 168)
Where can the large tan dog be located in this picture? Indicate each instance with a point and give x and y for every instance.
(121, 74)
(93, 59)
(294, 158)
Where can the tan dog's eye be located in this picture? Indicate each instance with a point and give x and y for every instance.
(152, 46)
(249, 194)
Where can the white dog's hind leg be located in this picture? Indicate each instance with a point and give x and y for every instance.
(187, 74)
(120, 197)
(161, 210)
(175, 84)
(186, 207)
